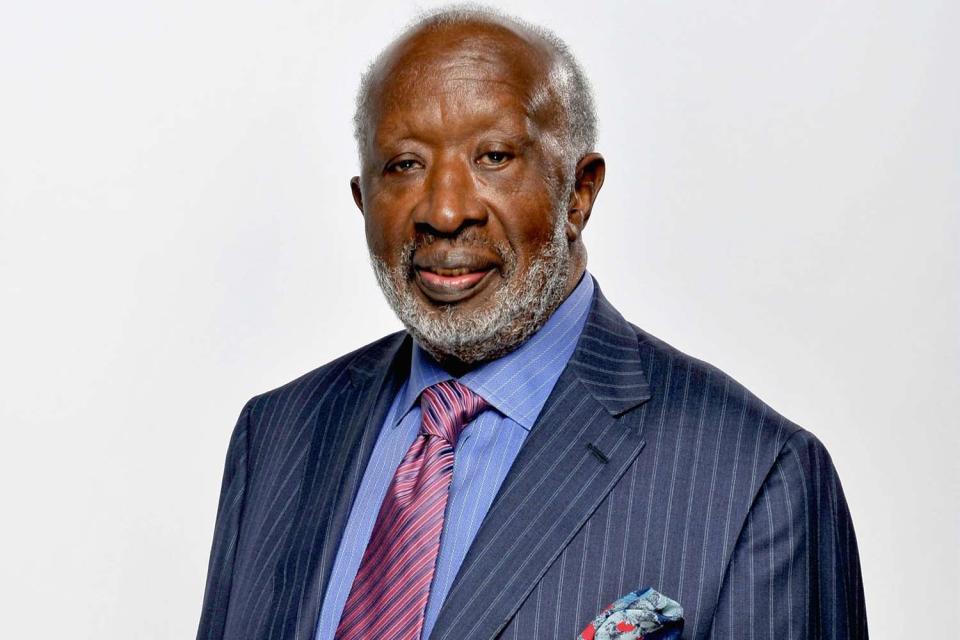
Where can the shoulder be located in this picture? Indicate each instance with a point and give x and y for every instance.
(683, 380)
(712, 418)
(366, 356)
(717, 442)
(290, 403)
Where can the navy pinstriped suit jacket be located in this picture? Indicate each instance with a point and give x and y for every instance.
(690, 485)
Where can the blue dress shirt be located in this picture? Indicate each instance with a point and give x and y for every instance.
(517, 386)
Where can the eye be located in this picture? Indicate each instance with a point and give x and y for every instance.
(495, 158)
(403, 165)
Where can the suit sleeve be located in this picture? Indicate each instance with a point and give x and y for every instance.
(225, 534)
(795, 570)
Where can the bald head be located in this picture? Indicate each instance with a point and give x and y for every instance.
(462, 42)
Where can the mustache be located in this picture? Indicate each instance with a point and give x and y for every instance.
(466, 239)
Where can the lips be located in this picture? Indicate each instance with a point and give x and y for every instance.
(452, 279)
(454, 275)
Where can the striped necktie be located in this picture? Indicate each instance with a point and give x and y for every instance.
(389, 595)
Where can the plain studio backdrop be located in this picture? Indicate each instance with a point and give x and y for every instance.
(782, 200)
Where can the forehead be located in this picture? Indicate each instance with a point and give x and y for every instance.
(477, 71)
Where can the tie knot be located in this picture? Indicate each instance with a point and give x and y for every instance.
(447, 408)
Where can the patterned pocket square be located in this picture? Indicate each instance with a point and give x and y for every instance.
(640, 615)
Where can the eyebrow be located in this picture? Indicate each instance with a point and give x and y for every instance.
(512, 135)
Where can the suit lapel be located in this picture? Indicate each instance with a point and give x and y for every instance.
(586, 437)
(339, 451)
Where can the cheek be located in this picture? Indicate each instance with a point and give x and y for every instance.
(528, 222)
(386, 234)
(378, 234)
(389, 211)
(528, 203)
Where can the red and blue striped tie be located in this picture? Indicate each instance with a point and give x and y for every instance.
(389, 595)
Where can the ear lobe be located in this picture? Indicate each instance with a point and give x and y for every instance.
(576, 221)
(590, 172)
(357, 194)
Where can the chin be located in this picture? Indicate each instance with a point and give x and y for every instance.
(496, 320)
(482, 329)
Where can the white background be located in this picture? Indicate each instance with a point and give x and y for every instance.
(782, 200)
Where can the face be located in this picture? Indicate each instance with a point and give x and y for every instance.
(464, 197)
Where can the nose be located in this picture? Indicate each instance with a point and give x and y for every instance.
(452, 202)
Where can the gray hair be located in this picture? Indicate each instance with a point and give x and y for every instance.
(566, 78)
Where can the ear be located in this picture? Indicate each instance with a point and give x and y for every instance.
(357, 195)
(588, 180)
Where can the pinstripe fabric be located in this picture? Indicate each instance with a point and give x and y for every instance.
(517, 385)
(645, 468)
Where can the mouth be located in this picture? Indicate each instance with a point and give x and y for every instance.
(453, 276)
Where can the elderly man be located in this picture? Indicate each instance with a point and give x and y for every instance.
(521, 456)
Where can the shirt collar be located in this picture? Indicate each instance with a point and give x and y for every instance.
(519, 383)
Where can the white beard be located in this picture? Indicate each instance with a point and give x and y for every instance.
(520, 306)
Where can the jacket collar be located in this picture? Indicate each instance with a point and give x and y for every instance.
(589, 433)
(579, 447)
(607, 359)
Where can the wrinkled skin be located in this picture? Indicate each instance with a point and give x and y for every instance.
(464, 156)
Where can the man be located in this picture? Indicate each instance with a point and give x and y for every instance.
(521, 456)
